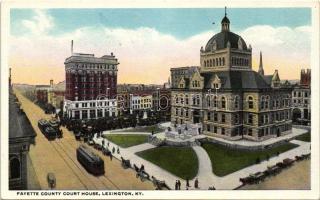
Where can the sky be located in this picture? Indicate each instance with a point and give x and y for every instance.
(148, 42)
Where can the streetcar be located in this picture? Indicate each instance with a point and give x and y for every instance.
(56, 126)
(90, 161)
(47, 130)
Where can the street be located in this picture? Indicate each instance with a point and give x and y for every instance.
(59, 157)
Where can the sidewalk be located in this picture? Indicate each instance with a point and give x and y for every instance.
(205, 176)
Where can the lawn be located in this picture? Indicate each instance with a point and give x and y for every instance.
(180, 161)
(127, 140)
(304, 137)
(225, 160)
(147, 129)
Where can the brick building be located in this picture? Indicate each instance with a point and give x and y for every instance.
(91, 86)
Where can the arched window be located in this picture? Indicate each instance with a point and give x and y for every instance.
(198, 100)
(223, 102)
(14, 168)
(205, 63)
(250, 102)
(215, 102)
(223, 61)
(193, 100)
(177, 100)
(266, 102)
(219, 61)
(187, 100)
(208, 100)
(213, 63)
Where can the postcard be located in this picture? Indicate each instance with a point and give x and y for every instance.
(159, 100)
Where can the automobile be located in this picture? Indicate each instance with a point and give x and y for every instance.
(77, 136)
(91, 142)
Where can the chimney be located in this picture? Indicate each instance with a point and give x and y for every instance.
(51, 83)
(71, 47)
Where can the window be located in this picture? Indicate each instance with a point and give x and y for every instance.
(250, 118)
(208, 101)
(215, 117)
(223, 118)
(223, 102)
(208, 127)
(250, 102)
(262, 100)
(250, 131)
(236, 118)
(236, 102)
(187, 113)
(177, 100)
(223, 131)
(209, 116)
(223, 61)
(187, 100)
(215, 129)
(181, 100)
(14, 168)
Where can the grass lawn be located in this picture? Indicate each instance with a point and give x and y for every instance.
(225, 161)
(180, 161)
(147, 129)
(304, 137)
(127, 140)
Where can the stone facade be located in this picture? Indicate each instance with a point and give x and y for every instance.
(226, 96)
(301, 99)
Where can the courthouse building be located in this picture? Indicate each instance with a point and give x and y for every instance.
(91, 86)
(301, 99)
(225, 97)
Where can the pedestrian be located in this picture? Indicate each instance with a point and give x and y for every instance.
(110, 156)
(118, 150)
(179, 185)
(196, 183)
(142, 167)
(113, 149)
(176, 185)
(108, 143)
(188, 185)
(103, 143)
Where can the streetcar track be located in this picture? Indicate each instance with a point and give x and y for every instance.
(42, 138)
(100, 177)
(89, 176)
(69, 165)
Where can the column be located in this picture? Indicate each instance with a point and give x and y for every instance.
(80, 114)
(88, 113)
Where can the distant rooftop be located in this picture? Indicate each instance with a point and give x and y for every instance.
(90, 58)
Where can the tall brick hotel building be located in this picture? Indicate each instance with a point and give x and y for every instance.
(91, 86)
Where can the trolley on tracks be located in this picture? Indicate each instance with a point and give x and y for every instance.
(90, 161)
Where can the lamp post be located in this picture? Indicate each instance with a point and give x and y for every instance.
(158, 89)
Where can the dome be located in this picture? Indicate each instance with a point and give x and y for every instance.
(225, 20)
(221, 40)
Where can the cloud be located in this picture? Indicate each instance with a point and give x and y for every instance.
(145, 54)
(40, 23)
